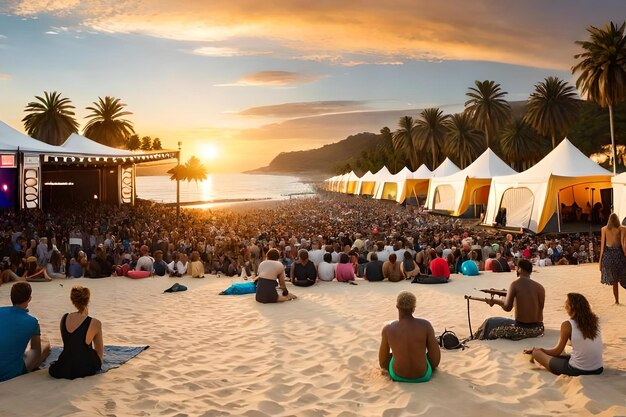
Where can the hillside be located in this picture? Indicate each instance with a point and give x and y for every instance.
(322, 159)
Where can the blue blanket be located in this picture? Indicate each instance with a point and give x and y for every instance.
(239, 288)
(114, 356)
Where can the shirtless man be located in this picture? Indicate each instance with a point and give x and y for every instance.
(408, 348)
(528, 297)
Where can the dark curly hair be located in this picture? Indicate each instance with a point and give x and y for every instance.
(580, 310)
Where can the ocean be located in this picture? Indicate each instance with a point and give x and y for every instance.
(220, 187)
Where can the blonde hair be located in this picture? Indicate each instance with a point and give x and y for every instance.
(406, 301)
(80, 297)
(613, 222)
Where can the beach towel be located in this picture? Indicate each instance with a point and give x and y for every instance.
(239, 288)
(114, 356)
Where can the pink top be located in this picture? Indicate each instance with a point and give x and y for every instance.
(344, 272)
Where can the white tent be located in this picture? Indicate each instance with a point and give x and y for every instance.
(11, 140)
(386, 186)
(351, 183)
(366, 185)
(416, 184)
(82, 145)
(619, 196)
(565, 178)
(446, 168)
(470, 187)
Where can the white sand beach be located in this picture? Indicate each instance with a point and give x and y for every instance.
(215, 355)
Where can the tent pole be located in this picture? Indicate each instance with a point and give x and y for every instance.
(558, 212)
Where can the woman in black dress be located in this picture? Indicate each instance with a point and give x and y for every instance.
(612, 259)
(83, 347)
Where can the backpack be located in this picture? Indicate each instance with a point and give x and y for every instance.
(450, 341)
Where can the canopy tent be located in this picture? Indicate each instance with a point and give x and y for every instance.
(386, 187)
(416, 184)
(619, 196)
(340, 183)
(12, 140)
(470, 187)
(367, 183)
(351, 183)
(565, 179)
(330, 183)
(81, 145)
(79, 169)
(446, 168)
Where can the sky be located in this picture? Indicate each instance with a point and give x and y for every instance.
(239, 81)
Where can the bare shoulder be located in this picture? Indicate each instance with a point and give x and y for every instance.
(389, 326)
(96, 323)
(423, 323)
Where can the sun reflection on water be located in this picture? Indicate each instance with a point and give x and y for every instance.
(208, 191)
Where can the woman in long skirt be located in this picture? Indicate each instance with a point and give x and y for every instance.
(612, 257)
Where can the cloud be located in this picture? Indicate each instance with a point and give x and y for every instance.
(273, 79)
(214, 51)
(51, 32)
(527, 33)
(3, 36)
(5, 76)
(291, 110)
(31, 7)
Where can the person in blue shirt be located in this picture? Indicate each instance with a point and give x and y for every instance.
(17, 329)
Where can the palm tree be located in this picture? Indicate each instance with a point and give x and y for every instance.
(146, 143)
(133, 143)
(50, 119)
(521, 146)
(404, 140)
(552, 108)
(178, 173)
(602, 68)
(192, 170)
(488, 108)
(195, 170)
(106, 125)
(431, 131)
(156, 144)
(464, 143)
(386, 149)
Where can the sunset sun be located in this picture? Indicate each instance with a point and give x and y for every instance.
(210, 152)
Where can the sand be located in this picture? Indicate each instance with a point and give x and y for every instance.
(214, 355)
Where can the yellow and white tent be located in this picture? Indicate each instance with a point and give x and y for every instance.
(367, 184)
(386, 184)
(531, 199)
(470, 187)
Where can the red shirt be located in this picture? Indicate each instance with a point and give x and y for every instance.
(439, 268)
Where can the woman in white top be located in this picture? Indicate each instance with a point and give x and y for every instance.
(326, 269)
(271, 273)
(583, 332)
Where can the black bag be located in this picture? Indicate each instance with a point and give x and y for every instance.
(450, 341)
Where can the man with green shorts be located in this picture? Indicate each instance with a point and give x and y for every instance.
(408, 348)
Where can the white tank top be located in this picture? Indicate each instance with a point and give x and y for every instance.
(586, 353)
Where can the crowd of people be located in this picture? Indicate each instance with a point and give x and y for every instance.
(97, 240)
(304, 241)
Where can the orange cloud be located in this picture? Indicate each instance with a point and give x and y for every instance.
(290, 110)
(273, 79)
(527, 33)
(5, 76)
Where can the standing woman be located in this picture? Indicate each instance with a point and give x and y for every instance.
(612, 258)
(271, 274)
(583, 332)
(83, 346)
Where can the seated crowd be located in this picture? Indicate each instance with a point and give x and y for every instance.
(293, 241)
(98, 241)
